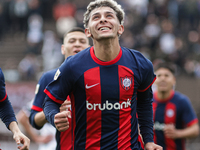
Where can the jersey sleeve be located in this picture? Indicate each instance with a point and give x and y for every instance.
(39, 92)
(39, 98)
(6, 111)
(57, 91)
(147, 76)
(60, 87)
(189, 115)
(144, 97)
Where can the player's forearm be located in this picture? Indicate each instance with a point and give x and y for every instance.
(50, 109)
(7, 113)
(189, 132)
(14, 127)
(146, 124)
(40, 119)
(145, 115)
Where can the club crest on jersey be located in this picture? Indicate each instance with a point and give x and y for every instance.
(57, 74)
(126, 82)
(170, 113)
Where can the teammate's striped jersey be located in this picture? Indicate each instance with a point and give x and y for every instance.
(176, 110)
(104, 99)
(6, 111)
(63, 139)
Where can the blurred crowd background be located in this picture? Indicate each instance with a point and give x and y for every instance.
(31, 33)
(160, 29)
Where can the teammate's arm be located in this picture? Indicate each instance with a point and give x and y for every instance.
(54, 116)
(189, 132)
(7, 113)
(40, 119)
(18, 136)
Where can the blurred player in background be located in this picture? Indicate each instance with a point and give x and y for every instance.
(74, 41)
(174, 118)
(43, 137)
(108, 85)
(8, 117)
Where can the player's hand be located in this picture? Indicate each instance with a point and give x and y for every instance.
(152, 146)
(170, 131)
(20, 138)
(65, 106)
(61, 120)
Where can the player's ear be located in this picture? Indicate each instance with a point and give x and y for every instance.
(87, 32)
(121, 29)
(63, 49)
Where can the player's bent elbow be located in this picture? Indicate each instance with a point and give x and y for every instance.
(197, 130)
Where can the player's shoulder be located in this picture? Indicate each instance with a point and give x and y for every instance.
(79, 58)
(81, 55)
(50, 72)
(180, 97)
(138, 56)
(47, 76)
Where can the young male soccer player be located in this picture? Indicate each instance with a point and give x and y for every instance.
(174, 116)
(108, 85)
(8, 117)
(74, 41)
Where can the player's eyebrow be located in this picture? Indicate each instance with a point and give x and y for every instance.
(97, 13)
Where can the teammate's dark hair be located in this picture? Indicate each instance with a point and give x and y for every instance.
(74, 29)
(167, 65)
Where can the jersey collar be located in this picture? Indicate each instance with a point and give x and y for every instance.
(104, 63)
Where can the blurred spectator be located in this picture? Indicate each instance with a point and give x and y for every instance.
(139, 5)
(193, 42)
(35, 33)
(51, 54)
(59, 9)
(189, 14)
(64, 19)
(46, 140)
(152, 30)
(19, 11)
(34, 7)
(63, 24)
(6, 15)
(167, 38)
(28, 67)
(189, 67)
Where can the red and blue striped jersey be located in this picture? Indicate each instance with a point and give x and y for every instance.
(177, 110)
(104, 99)
(63, 139)
(6, 111)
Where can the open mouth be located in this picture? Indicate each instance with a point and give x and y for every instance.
(76, 51)
(104, 28)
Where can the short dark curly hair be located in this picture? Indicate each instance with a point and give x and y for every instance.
(167, 65)
(104, 3)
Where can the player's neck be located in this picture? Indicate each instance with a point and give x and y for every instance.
(163, 95)
(106, 50)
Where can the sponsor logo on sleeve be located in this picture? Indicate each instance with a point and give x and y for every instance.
(37, 88)
(57, 74)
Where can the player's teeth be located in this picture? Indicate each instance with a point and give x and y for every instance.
(104, 28)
